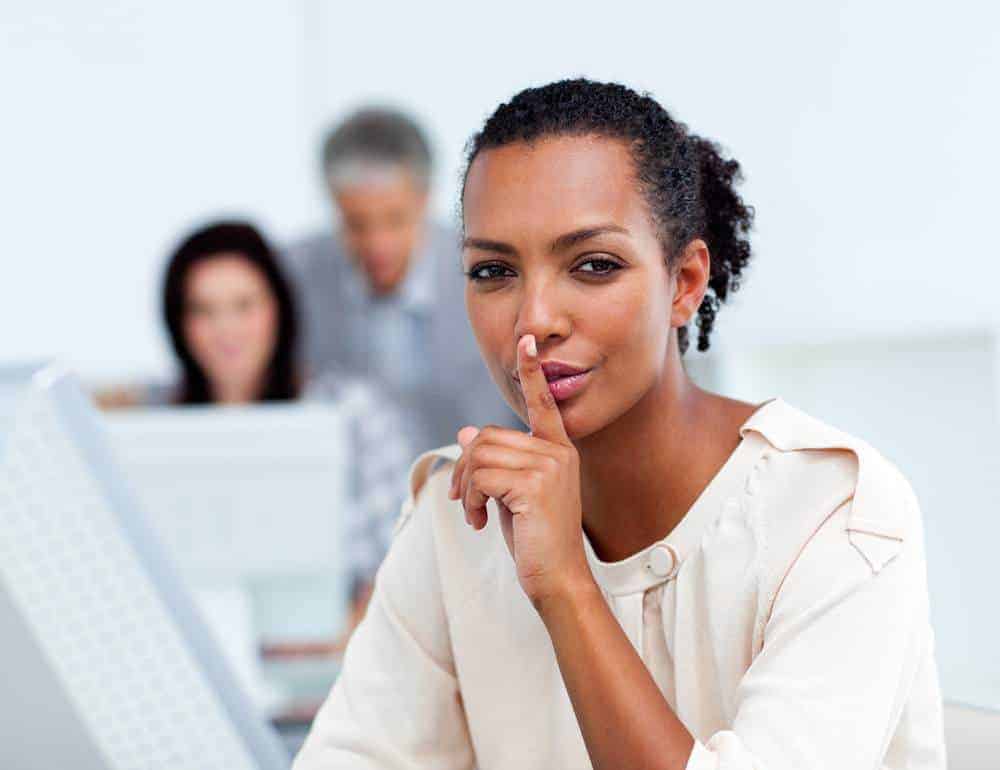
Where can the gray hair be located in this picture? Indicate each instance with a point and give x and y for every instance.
(372, 143)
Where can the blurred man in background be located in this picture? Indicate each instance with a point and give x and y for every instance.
(383, 295)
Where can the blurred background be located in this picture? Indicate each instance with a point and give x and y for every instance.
(866, 132)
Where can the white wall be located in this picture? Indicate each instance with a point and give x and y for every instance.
(867, 132)
(123, 124)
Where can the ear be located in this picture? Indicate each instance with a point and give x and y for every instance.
(691, 273)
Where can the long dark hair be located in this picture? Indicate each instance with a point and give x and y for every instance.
(281, 382)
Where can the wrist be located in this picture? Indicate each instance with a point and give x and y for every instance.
(568, 598)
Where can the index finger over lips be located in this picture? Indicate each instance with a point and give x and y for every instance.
(544, 417)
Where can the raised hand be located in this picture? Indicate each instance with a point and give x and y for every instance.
(535, 479)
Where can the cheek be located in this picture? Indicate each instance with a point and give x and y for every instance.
(491, 318)
(356, 238)
(198, 335)
(633, 329)
(262, 327)
(406, 230)
(630, 317)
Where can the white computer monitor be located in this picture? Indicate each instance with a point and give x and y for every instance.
(105, 662)
(252, 496)
(14, 380)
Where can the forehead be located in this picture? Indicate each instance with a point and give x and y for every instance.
(379, 188)
(224, 271)
(551, 186)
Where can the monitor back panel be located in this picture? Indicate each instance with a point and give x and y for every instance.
(86, 587)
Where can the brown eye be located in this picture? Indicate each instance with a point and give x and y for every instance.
(598, 267)
(489, 271)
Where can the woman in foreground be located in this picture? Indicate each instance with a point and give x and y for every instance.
(654, 576)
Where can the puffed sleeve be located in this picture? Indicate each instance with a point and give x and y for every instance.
(396, 704)
(847, 637)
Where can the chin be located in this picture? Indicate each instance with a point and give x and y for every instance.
(579, 422)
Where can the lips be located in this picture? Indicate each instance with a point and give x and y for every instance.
(565, 380)
(554, 370)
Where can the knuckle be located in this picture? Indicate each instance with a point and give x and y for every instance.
(479, 461)
(487, 454)
(550, 464)
(479, 453)
(545, 399)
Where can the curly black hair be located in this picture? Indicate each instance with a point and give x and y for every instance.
(688, 184)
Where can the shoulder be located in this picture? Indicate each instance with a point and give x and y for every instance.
(435, 462)
(819, 493)
(413, 534)
(159, 394)
(318, 247)
(465, 556)
(816, 457)
(808, 469)
(136, 395)
(354, 390)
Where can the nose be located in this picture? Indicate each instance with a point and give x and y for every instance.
(541, 313)
(377, 244)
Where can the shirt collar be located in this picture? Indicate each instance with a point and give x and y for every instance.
(417, 291)
(661, 561)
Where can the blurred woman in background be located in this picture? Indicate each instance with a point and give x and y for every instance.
(232, 322)
(231, 317)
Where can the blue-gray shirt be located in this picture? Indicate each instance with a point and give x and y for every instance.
(393, 329)
(416, 343)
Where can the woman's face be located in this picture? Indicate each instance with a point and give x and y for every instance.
(560, 244)
(230, 323)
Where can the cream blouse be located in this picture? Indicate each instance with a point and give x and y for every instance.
(785, 620)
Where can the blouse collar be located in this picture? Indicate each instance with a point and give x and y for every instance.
(661, 561)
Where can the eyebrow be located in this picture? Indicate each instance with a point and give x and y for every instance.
(568, 240)
(563, 242)
(484, 244)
